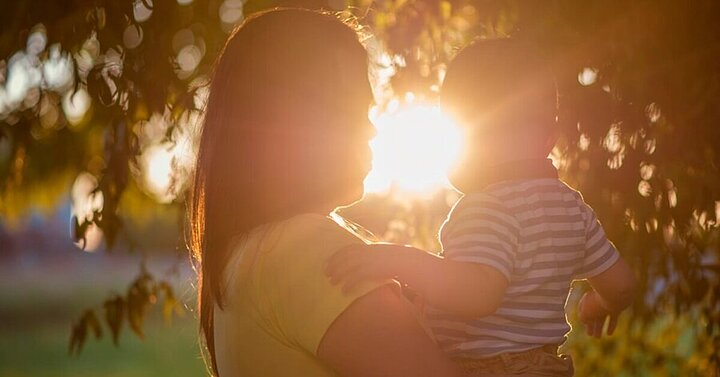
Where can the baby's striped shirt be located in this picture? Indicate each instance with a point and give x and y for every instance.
(541, 235)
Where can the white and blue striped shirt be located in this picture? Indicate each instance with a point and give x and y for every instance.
(541, 235)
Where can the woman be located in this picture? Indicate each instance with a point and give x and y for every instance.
(285, 141)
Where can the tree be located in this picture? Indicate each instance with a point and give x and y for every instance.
(639, 91)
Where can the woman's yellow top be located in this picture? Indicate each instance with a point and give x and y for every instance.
(279, 302)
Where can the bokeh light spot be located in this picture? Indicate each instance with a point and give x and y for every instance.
(85, 203)
(231, 13)
(188, 59)
(75, 105)
(142, 12)
(58, 69)
(587, 76)
(132, 36)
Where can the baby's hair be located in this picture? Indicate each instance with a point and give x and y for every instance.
(501, 85)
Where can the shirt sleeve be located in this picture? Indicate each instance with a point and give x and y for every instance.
(482, 230)
(303, 302)
(600, 253)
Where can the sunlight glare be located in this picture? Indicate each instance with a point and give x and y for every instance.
(415, 146)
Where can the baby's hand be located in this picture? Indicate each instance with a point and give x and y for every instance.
(358, 263)
(593, 315)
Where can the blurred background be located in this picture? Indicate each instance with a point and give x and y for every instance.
(100, 101)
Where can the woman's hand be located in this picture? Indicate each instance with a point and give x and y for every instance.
(593, 315)
(359, 263)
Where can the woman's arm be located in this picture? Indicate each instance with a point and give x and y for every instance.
(465, 289)
(377, 335)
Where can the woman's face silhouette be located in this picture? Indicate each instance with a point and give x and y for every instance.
(351, 132)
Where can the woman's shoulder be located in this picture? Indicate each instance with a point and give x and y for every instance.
(286, 248)
(295, 252)
(318, 231)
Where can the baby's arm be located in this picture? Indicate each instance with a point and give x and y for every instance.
(462, 288)
(611, 278)
(614, 288)
(482, 242)
(613, 291)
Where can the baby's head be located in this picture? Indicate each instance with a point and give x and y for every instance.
(503, 95)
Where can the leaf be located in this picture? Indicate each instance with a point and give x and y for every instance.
(168, 307)
(77, 338)
(114, 315)
(170, 304)
(135, 311)
(92, 322)
(139, 298)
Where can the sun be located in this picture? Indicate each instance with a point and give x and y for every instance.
(415, 147)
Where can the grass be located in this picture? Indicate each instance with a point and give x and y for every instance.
(35, 323)
(42, 351)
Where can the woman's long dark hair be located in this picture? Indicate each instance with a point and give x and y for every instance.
(279, 136)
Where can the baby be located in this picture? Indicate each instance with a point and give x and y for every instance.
(518, 237)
